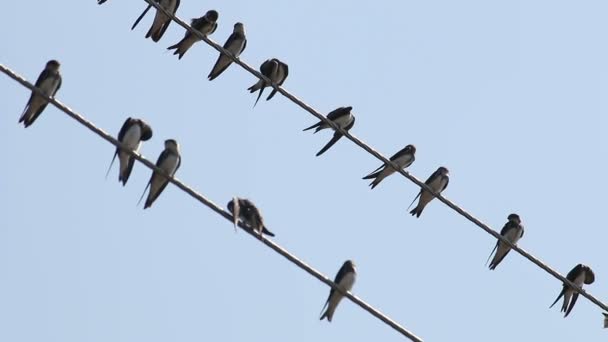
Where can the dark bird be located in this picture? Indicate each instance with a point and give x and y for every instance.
(276, 71)
(236, 44)
(437, 182)
(512, 231)
(131, 135)
(345, 279)
(99, 2)
(341, 117)
(403, 159)
(605, 319)
(249, 214)
(206, 25)
(161, 20)
(169, 161)
(49, 82)
(579, 275)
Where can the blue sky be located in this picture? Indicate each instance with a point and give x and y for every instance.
(509, 96)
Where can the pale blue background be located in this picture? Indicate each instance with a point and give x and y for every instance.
(509, 95)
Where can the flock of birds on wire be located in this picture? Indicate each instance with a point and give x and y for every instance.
(135, 131)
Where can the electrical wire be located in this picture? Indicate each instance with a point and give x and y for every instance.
(280, 250)
(386, 161)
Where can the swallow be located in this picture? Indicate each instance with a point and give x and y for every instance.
(345, 279)
(579, 275)
(276, 71)
(341, 117)
(206, 25)
(437, 182)
(404, 158)
(132, 133)
(250, 215)
(49, 82)
(512, 231)
(161, 20)
(169, 161)
(236, 44)
(605, 319)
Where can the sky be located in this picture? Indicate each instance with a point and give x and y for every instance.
(509, 96)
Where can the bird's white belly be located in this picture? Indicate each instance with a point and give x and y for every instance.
(131, 140)
(169, 165)
(403, 160)
(348, 281)
(344, 120)
(49, 86)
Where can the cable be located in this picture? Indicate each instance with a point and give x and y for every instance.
(379, 156)
(287, 255)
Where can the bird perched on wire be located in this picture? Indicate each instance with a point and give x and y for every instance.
(206, 25)
(579, 275)
(276, 71)
(132, 133)
(342, 117)
(236, 44)
(169, 161)
(438, 181)
(48, 82)
(404, 158)
(513, 230)
(249, 214)
(161, 20)
(345, 279)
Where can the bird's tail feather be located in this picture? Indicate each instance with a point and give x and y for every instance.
(558, 298)
(142, 195)
(141, 16)
(494, 249)
(111, 163)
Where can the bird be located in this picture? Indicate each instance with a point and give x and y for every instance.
(132, 133)
(438, 181)
(512, 231)
(579, 275)
(169, 161)
(236, 44)
(345, 279)
(342, 117)
(206, 25)
(99, 2)
(244, 209)
(403, 159)
(605, 319)
(161, 20)
(276, 71)
(48, 82)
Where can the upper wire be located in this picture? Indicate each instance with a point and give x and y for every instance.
(382, 158)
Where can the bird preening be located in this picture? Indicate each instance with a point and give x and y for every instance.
(276, 71)
(132, 133)
(249, 214)
(579, 275)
